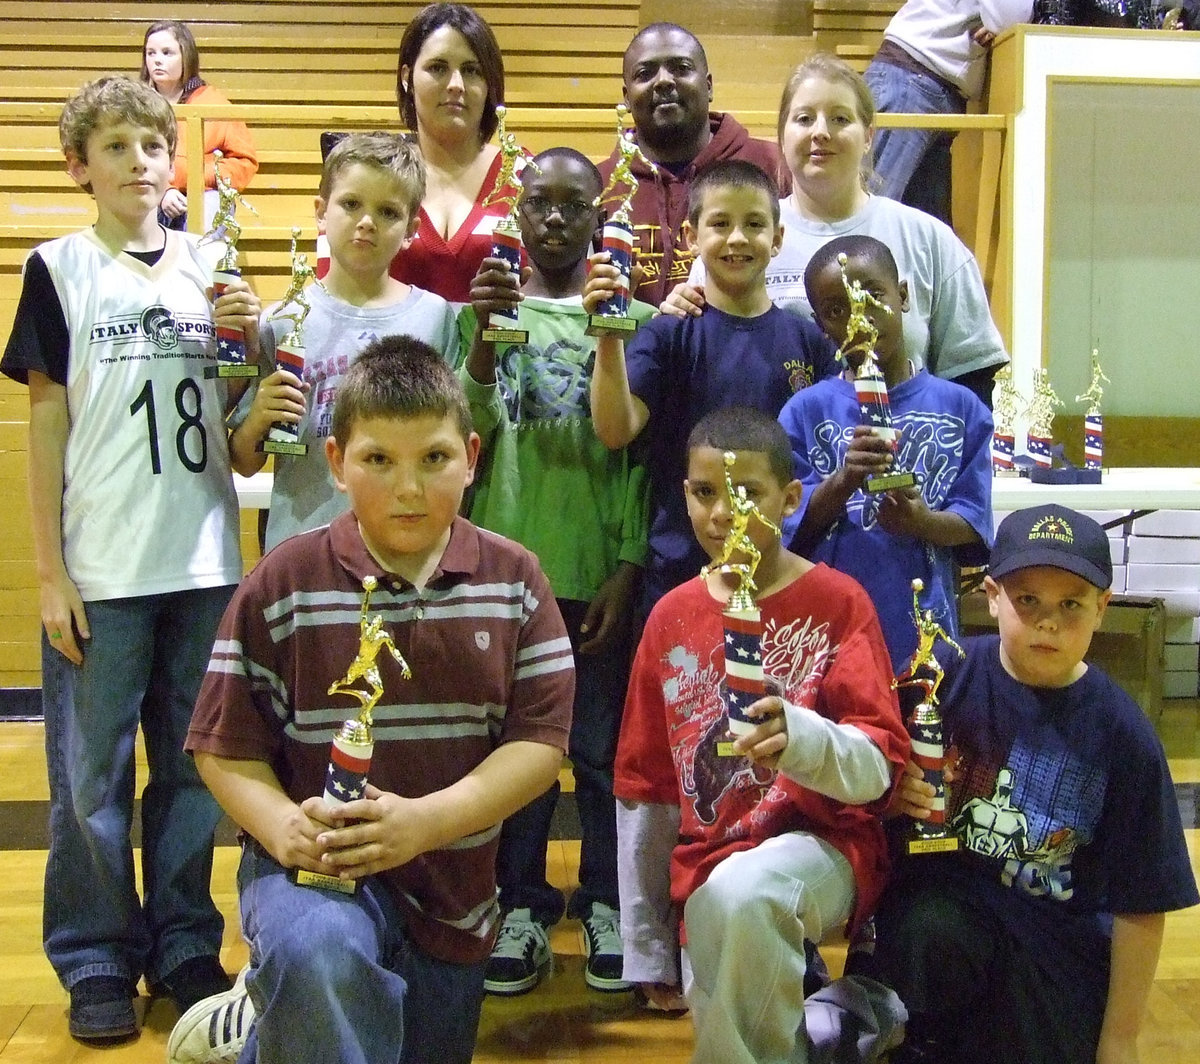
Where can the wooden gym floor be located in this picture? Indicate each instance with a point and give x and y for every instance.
(562, 1020)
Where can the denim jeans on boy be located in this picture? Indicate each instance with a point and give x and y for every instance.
(914, 163)
(335, 978)
(600, 682)
(143, 664)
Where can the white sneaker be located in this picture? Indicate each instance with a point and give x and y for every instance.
(213, 1031)
(520, 957)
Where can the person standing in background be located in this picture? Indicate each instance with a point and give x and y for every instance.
(932, 61)
(449, 81)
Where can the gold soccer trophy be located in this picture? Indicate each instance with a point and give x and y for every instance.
(925, 727)
(506, 237)
(231, 343)
(612, 316)
(874, 407)
(350, 754)
(283, 437)
(744, 684)
(1093, 419)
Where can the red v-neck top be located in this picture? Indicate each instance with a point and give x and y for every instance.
(447, 267)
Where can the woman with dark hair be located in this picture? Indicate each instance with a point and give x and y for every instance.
(449, 80)
(171, 65)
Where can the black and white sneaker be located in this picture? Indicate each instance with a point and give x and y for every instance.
(520, 957)
(213, 1031)
(605, 955)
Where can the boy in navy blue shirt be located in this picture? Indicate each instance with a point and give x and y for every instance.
(1036, 942)
(741, 351)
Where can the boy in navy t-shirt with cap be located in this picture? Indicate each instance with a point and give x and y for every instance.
(1036, 942)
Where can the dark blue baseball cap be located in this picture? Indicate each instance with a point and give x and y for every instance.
(1052, 535)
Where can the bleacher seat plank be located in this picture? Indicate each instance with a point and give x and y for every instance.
(343, 13)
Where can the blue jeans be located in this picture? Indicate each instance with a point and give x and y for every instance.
(143, 664)
(914, 164)
(335, 977)
(600, 682)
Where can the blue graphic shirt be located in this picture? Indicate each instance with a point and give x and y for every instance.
(945, 438)
(1064, 793)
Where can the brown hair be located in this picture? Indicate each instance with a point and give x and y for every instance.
(398, 377)
(188, 53)
(113, 99)
(386, 151)
(731, 173)
(745, 428)
(483, 43)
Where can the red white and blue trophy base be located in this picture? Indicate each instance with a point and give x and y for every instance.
(506, 245)
(1093, 441)
(612, 316)
(744, 684)
(1039, 450)
(929, 752)
(345, 780)
(231, 343)
(1003, 452)
(875, 411)
(284, 436)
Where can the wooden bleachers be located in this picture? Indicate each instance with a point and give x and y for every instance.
(852, 29)
(294, 68)
(303, 67)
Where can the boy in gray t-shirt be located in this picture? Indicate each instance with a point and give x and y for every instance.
(371, 189)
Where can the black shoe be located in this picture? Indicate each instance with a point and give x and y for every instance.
(194, 980)
(602, 945)
(520, 957)
(102, 1010)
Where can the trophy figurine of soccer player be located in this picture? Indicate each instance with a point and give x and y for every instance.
(744, 684)
(1008, 403)
(231, 343)
(506, 237)
(925, 727)
(1041, 419)
(283, 437)
(1093, 419)
(874, 407)
(350, 754)
(612, 316)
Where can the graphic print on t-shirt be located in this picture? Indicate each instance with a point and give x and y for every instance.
(796, 656)
(931, 445)
(1031, 819)
(554, 383)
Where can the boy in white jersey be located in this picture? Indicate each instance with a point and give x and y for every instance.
(135, 535)
(371, 189)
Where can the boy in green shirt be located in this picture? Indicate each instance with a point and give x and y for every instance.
(548, 482)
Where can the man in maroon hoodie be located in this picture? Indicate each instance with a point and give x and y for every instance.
(668, 90)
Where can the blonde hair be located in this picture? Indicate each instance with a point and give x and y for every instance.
(113, 99)
(824, 66)
(391, 152)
